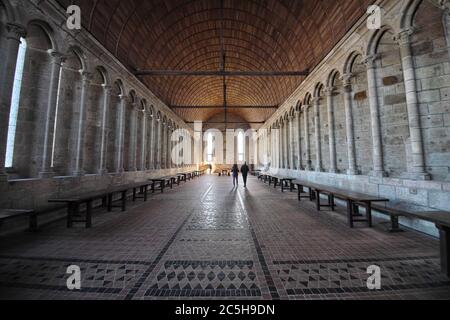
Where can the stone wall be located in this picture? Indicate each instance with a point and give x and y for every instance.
(388, 120)
(84, 121)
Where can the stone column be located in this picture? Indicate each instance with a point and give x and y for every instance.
(81, 132)
(150, 149)
(8, 68)
(418, 170)
(120, 133)
(104, 130)
(331, 129)
(143, 164)
(351, 149)
(158, 144)
(307, 145)
(298, 134)
(163, 145)
(378, 167)
(46, 170)
(133, 140)
(292, 143)
(316, 103)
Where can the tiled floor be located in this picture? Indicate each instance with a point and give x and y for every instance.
(205, 239)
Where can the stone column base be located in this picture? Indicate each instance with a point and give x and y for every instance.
(103, 172)
(46, 174)
(379, 174)
(422, 176)
(3, 177)
(353, 172)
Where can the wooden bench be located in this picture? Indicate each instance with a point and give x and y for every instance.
(161, 183)
(441, 219)
(353, 200)
(10, 214)
(283, 181)
(107, 196)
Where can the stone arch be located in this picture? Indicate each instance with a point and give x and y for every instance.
(68, 110)
(391, 95)
(93, 128)
(10, 13)
(337, 123)
(113, 126)
(431, 48)
(360, 108)
(33, 100)
(408, 13)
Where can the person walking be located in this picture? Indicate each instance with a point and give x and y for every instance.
(235, 173)
(245, 170)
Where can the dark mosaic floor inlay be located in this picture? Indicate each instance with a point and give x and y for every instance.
(206, 279)
(206, 240)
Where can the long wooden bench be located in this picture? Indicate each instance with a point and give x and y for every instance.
(107, 196)
(353, 199)
(441, 219)
(10, 214)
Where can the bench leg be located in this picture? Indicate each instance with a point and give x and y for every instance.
(445, 246)
(33, 223)
(282, 185)
(134, 194)
(145, 193)
(350, 213)
(110, 200)
(162, 186)
(72, 210)
(89, 214)
(331, 202)
(395, 226)
(292, 187)
(369, 213)
(299, 193)
(318, 200)
(124, 200)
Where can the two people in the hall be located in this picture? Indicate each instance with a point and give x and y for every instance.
(235, 173)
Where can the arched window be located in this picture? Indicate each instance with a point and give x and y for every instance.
(17, 86)
(241, 148)
(210, 149)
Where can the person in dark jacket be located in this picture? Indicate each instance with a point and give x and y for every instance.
(244, 170)
(235, 173)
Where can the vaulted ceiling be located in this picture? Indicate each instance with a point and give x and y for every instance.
(258, 35)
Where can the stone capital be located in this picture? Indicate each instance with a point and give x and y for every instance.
(15, 31)
(370, 60)
(329, 91)
(86, 76)
(305, 108)
(56, 57)
(404, 36)
(316, 100)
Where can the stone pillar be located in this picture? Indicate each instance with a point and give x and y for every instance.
(81, 132)
(46, 170)
(307, 145)
(143, 164)
(8, 68)
(298, 134)
(158, 144)
(151, 147)
(292, 143)
(104, 130)
(133, 136)
(418, 170)
(120, 133)
(281, 147)
(316, 103)
(163, 145)
(331, 129)
(378, 167)
(351, 149)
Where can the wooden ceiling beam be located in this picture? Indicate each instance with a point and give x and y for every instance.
(185, 73)
(221, 106)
